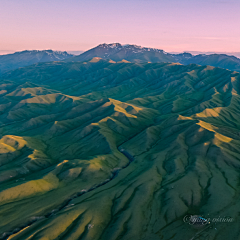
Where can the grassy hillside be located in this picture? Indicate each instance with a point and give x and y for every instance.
(67, 130)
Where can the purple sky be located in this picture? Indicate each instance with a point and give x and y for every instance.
(172, 25)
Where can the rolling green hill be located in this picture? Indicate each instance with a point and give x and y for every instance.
(118, 151)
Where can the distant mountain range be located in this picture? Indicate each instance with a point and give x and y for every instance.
(216, 60)
(118, 53)
(236, 54)
(138, 54)
(26, 58)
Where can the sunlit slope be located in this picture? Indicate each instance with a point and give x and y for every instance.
(62, 126)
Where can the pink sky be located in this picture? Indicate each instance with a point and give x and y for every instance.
(172, 25)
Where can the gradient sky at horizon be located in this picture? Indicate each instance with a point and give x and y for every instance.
(172, 25)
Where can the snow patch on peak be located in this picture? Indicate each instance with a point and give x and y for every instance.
(115, 45)
(140, 49)
(111, 45)
(130, 47)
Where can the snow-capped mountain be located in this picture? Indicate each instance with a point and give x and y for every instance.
(138, 54)
(119, 52)
(129, 47)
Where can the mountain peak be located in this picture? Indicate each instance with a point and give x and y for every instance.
(127, 47)
(130, 52)
(110, 45)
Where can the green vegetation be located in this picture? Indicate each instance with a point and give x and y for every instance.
(62, 125)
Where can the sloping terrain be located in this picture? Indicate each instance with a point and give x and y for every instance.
(138, 54)
(108, 151)
(26, 58)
